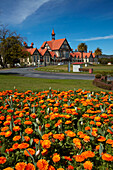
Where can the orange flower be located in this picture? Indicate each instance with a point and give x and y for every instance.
(44, 152)
(104, 115)
(107, 157)
(45, 137)
(23, 145)
(77, 143)
(30, 166)
(68, 158)
(6, 123)
(8, 133)
(15, 146)
(51, 168)
(94, 133)
(109, 141)
(92, 122)
(70, 167)
(47, 125)
(8, 168)
(86, 138)
(15, 138)
(56, 157)
(58, 123)
(98, 123)
(30, 150)
(36, 141)
(87, 128)
(16, 128)
(97, 147)
(59, 136)
(101, 139)
(97, 119)
(4, 128)
(88, 165)
(79, 158)
(20, 166)
(88, 154)
(2, 160)
(27, 138)
(46, 144)
(68, 122)
(71, 134)
(42, 164)
(33, 115)
(27, 122)
(29, 130)
(60, 169)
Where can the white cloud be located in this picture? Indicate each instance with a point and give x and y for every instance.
(96, 38)
(16, 11)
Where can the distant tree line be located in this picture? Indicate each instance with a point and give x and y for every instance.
(105, 60)
(11, 48)
(82, 47)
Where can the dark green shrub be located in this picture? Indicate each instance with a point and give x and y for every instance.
(102, 85)
(98, 76)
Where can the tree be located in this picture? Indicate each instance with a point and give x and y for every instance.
(82, 48)
(98, 52)
(11, 48)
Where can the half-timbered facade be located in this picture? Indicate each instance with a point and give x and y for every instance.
(60, 48)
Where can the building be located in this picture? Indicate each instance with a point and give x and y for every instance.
(35, 55)
(86, 57)
(59, 49)
(51, 52)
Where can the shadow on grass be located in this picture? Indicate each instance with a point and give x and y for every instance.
(12, 74)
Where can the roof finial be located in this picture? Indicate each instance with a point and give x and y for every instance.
(53, 35)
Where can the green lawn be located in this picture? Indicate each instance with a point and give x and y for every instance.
(8, 82)
(64, 68)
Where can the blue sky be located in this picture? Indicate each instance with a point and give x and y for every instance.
(88, 21)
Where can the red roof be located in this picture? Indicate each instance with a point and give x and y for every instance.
(42, 51)
(79, 54)
(78, 63)
(30, 50)
(53, 54)
(54, 44)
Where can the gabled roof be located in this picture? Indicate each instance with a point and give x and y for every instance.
(42, 51)
(52, 54)
(54, 44)
(30, 50)
(78, 54)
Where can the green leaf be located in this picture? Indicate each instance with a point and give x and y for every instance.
(31, 141)
(30, 156)
(110, 129)
(101, 149)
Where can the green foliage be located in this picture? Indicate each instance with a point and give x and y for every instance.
(98, 76)
(82, 47)
(11, 48)
(98, 51)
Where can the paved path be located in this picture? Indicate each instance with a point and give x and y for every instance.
(30, 72)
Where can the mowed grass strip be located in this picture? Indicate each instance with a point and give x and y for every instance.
(9, 82)
(64, 68)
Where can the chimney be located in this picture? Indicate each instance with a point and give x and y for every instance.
(53, 35)
(32, 45)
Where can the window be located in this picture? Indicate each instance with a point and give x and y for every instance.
(47, 58)
(34, 58)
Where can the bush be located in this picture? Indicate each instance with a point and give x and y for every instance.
(84, 69)
(98, 76)
(102, 85)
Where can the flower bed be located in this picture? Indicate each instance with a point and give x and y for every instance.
(56, 130)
